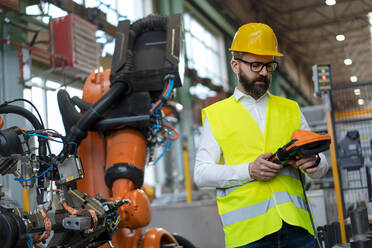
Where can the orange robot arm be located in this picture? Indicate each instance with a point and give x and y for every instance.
(123, 153)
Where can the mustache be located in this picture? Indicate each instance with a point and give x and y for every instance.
(262, 79)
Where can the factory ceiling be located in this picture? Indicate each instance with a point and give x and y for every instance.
(307, 32)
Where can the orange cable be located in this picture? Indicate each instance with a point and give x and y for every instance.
(159, 101)
(74, 211)
(173, 130)
(47, 225)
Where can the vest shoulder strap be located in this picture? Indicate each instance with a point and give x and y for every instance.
(217, 106)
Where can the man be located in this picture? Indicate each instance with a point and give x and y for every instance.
(260, 203)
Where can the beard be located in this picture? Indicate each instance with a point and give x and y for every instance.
(250, 86)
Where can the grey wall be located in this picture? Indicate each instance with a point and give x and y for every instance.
(197, 221)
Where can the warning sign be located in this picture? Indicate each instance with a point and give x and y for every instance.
(322, 77)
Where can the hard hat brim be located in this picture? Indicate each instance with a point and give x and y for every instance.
(270, 53)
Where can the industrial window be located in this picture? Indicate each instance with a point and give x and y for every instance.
(205, 51)
(115, 10)
(45, 9)
(43, 94)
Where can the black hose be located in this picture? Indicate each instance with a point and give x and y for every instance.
(12, 109)
(79, 130)
(70, 116)
(151, 23)
(302, 180)
(81, 103)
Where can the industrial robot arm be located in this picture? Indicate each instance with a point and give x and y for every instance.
(72, 216)
(117, 140)
(91, 190)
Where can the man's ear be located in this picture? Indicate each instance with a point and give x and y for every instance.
(235, 66)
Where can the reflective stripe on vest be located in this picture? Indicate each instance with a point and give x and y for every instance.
(287, 171)
(261, 208)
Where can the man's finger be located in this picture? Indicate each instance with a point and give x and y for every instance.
(311, 170)
(267, 174)
(302, 161)
(265, 156)
(268, 169)
(307, 165)
(272, 165)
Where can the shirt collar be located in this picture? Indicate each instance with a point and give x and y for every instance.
(240, 95)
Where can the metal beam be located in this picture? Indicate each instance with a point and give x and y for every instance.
(367, 4)
(320, 38)
(214, 15)
(335, 48)
(79, 10)
(168, 7)
(352, 17)
(351, 86)
(305, 8)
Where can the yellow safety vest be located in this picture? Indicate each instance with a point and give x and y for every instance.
(255, 209)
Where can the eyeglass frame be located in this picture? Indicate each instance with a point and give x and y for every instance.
(262, 64)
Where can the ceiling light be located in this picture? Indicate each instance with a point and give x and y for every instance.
(357, 92)
(360, 101)
(348, 61)
(353, 79)
(340, 37)
(330, 2)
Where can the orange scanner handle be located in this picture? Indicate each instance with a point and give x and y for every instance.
(126, 158)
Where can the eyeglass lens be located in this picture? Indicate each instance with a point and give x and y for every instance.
(257, 66)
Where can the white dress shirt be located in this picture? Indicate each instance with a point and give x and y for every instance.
(208, 173)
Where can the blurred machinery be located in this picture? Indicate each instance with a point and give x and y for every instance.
(350, 151)
(360, 235)
(91, 201)
(74, 217)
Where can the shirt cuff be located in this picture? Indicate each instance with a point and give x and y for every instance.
(244, 171)
(248, 174)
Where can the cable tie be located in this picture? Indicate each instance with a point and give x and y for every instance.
(95, 112)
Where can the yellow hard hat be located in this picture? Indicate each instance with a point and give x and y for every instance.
(256, 38)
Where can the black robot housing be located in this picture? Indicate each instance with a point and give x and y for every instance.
(146, 52)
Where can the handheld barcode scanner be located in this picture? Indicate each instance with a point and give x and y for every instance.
(303, 143)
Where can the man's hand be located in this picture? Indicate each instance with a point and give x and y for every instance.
(306, 162)
(263, 170)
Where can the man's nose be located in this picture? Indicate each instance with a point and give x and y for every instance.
(264, 71)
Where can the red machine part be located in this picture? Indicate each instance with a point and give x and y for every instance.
(126, 145)
(74, 38)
